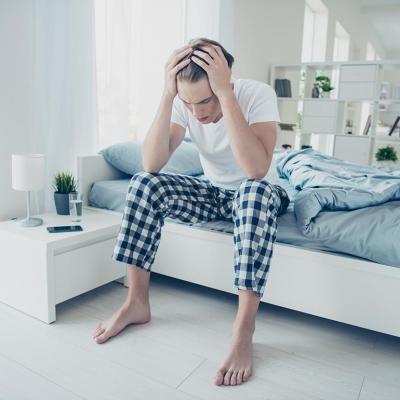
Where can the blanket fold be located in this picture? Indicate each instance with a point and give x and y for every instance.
(329, 184)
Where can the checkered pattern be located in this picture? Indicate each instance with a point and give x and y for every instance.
(253, 208)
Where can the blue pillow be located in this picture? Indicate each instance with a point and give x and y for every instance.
(127, 157)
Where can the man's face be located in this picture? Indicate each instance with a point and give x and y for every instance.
(200, 100)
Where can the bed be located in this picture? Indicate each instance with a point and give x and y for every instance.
(306, 275)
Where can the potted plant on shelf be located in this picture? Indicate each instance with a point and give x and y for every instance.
(64, 183)
(323, 83)
(386, 156)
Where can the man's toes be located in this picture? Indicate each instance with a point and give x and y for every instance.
(239, 378)
(99, 332)
(227, 378)
(246, 375)
(96, 332)
(219, 377)
(234, 378)
(98, 327)
(103, 337)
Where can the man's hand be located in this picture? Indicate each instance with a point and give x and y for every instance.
(212, 60)
(172, 67)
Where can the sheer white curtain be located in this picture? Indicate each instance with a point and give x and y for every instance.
(133, 41)
(64, 94)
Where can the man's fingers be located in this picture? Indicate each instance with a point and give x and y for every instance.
(200, 62)
(219, 50)
(220, 54)
(211, 50)
(204, 56)
(182, 64)
(177, 57)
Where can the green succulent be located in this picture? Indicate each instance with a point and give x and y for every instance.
(323, 83)
(64, 182)
(387, 153)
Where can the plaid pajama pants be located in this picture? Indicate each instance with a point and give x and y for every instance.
(253, 208)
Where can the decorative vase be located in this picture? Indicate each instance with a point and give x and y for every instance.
(61, 201)
(385, 164)
(325, 95)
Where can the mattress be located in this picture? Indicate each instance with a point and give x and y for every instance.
(111, 195)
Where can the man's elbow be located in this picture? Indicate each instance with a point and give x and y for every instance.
(257, 174)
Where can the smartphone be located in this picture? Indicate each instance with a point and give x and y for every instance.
(64, 228)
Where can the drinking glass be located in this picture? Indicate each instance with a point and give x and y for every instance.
(75, 206)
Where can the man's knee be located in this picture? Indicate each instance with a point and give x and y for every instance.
(253, 193)
(145, 177)
(255, 187)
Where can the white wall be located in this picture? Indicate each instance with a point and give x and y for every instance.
(16, 105)
(348, 13)
(266, 32)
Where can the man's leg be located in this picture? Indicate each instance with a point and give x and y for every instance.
(151, 197)
(237, 367)
(135, 309)
(255, 208)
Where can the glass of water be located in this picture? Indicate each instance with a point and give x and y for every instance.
(75, 206)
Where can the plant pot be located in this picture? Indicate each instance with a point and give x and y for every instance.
(325, 95)
(61, 201)
(385, 164)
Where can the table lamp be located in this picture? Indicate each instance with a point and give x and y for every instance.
(28, 174)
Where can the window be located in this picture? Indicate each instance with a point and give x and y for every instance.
(341, 44)
(134, 38)
(315, 31)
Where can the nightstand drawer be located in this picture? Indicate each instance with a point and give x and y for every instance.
(80, 270)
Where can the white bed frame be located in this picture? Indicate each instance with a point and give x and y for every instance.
(341, 288)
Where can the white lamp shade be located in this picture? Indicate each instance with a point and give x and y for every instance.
(28, 171)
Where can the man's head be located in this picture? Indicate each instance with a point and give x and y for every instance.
(193, 86)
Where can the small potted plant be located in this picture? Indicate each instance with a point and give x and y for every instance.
(386, 156)
(64, 183)
(323, 83)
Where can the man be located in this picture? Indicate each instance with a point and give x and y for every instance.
(233, 125)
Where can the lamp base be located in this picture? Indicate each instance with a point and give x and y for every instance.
(29, 222)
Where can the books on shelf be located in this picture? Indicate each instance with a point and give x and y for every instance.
(287, 127)
(395, 124)
(283, 88)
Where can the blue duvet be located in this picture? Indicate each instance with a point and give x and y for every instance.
(349, 207)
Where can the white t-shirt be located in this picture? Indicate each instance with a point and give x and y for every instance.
(257, 100)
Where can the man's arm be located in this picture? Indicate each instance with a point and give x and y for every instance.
(158, 145)
(253, 145)
(163, 136)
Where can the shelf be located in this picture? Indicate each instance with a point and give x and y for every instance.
(386, 139)
(353, 135)
(289, 98)
(358, 86)
(386, 101)
(320, 99)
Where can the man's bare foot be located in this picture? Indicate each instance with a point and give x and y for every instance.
(129, 313)
(237, 368)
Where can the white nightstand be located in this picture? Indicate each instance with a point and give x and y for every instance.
(39, 269)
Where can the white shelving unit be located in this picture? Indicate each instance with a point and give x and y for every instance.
(362, 90)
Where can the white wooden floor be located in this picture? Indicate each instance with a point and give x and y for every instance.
(297, 356)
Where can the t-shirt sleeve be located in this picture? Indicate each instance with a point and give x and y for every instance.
(179, 114)
(265, 106)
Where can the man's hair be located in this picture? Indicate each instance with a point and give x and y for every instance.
(193, 72)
